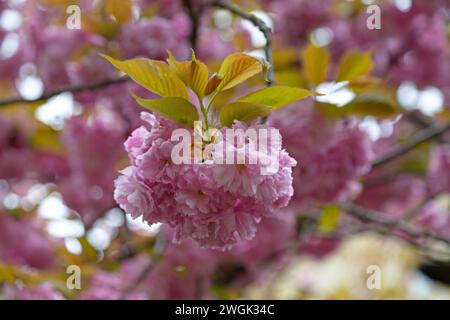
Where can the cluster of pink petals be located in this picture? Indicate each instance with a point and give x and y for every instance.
(44, 291)
(182, 271)
(435, 219)
(394, 197)
(153, 37)
(49, 49)
(295, 19)
(216, 205)
(93, 149)
(332, 154)
(438, 177)
(22, 243)
(18, 160)
(411, 45)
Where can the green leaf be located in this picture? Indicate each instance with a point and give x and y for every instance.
(329, 219)
(242, 111)
(176, 109)
(119, 9)
(372, 104)
(236, 68)
(193, 73)
(153, 75)
(276, 96)
(353, 65)
(316, 62)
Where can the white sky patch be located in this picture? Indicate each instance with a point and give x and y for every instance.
(30, 87)
(65, 228)
(10, 20)
(429, 100)
(73, 245)
(114, 218)
(407, 95)
(11, 201)
(322, 37)
(139, 225)
(335, 93)
(10, 45)
(57, 109)
(99, 238)
(378, 129)
(52, 207)
(403, 5)
(223, 19)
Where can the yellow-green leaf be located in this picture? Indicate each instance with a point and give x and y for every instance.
(276, 96)
(366, 104)
(329, 219)
(242, 111)
(119, 9)
(153, 75)
(372, 104)
(236, 68)
(194, 73)
(176, 109)
(316, 62)
(213, 83)
(353, 65)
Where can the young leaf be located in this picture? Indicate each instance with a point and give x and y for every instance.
(213, 82)
(153, 75)
(236, 68)
(329, 219)
(316, 62)
(193, 73)
(353, 65)
(373, 103)
(119, 9)
(174, 108)
(277, 96)
(242, 111)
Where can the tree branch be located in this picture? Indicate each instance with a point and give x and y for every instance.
(380, 219)
(194, 12)
(429, 133)
(72, 88)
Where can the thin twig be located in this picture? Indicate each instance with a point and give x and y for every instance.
(423, 121)
(380, 219)
(194, 12)
(424, 135)
(137, 281)
(72, 88)
(260, 24)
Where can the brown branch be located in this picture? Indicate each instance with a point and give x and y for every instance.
(429, 133)
(194, 12)
(137, 281)
(378, 218)
(72, 88)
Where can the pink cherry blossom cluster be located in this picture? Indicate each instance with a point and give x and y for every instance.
(93, 149)
(214, 204)
(328, 173)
